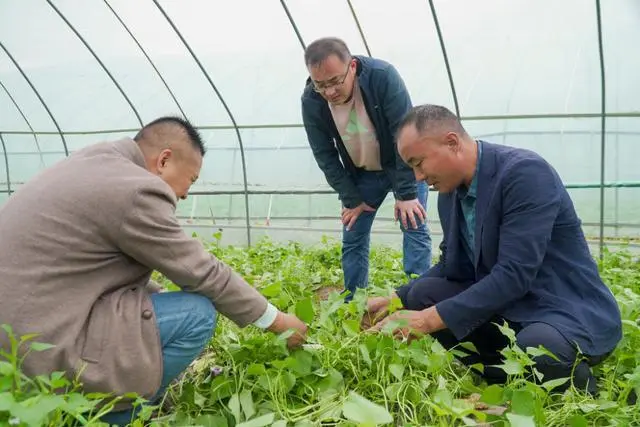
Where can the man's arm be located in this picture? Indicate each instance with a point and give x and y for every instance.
(326, 156)
(151, 234)
(531, 200)
(396, 104)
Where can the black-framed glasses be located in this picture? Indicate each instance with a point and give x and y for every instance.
(324, 86)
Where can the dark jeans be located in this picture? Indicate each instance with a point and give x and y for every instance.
(416, 244)
(488, 339)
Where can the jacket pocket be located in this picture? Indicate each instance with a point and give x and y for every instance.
(97, 331)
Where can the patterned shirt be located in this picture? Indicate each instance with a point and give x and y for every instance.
(357, 131)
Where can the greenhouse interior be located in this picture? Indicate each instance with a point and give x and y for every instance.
(553, 77)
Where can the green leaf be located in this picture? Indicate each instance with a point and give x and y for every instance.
(551, 384)
(234, 406)
(507, 331)
(364, 351)
(7, 329)
(578, 421)
(361, 410)
(261, 421)
(351, 327)
(272, 290)
(302, 362)
(493, 395)
(331, 382)
(522, 403)
(6, 368)
(511, 367)
(256, 369)
(468, 345)
(6, 401)
(199, 400)
(478, 366)
(34, 411)
(40, 346)
(396, 370)
(76, 402)
(305, 310)
(520, 420)
(246, 401)
(27, 337)
(541, 351)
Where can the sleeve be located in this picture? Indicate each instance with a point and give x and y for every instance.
(531, 199)
(151, 234)
(397, 103)
(326, 155)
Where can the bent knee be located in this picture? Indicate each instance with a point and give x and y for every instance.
(202, 307)
(547, 336)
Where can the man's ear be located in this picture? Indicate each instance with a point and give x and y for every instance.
(453, 142)
(163, 159)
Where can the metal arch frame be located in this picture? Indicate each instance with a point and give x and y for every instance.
(144, 52)
(293, 24)
(6, 164)
(444, 54)
(602, 124)
(35, 137)
(226, 107)
(627, 114)
(115, 82)
(357, 21)
(44, 104)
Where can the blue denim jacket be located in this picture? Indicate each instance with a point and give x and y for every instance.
(387, 101)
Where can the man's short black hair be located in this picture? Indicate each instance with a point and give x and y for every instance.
(428, 116)
(321, 49)
(192, 133)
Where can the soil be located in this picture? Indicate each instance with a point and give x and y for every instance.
(324, 292)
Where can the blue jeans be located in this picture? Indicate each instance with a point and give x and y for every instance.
(186, 322)
(416, 243)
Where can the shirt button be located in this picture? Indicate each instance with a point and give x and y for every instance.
(147, 314)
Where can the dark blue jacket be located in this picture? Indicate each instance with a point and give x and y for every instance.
(386, 100)
(532, 262)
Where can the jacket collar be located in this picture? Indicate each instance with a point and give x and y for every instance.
(130, 149)
(486, 185)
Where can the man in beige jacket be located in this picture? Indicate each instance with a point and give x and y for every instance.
(79, 243)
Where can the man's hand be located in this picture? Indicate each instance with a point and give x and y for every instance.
(377, 309)
(414, 324)
(349, 216)
(283, 323)
(408, 210)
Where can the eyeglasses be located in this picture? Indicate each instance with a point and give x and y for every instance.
(324, 86)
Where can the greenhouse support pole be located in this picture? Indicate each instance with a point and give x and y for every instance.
(44, 104)
(355, 18)
(226, 107)
(293, 23)
(446, 58)
(144, 52)
(35, 137)
(97, 58)
(6, 164)
(603, 127)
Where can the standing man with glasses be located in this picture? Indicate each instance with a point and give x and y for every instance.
(351, 107)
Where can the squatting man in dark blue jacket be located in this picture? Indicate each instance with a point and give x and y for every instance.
(351, 107)
(513, 251)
